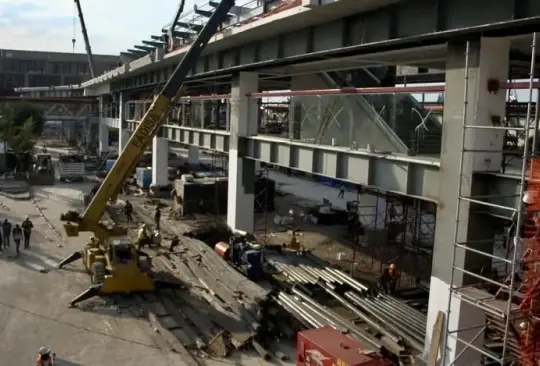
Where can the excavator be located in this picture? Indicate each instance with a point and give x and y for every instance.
(112, 259)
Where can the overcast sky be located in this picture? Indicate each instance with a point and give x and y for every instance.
(113, 25)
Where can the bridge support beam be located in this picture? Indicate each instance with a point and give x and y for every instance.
(103, 128)
(243, 123)
(488, 58)
(160, 161)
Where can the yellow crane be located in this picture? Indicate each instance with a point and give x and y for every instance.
(113, 260)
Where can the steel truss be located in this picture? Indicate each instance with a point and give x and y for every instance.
(507, 337)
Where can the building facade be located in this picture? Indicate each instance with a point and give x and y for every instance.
(42, 69)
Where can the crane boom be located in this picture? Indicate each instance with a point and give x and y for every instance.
(146, 130)
(91, 64)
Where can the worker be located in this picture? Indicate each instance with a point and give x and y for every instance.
(174, 243)
(128, 210)
(27, 227)
(93, 243)
(44, 357)
(6, 233)
(157, 216)
(389, 279)
(341, 191)
(17, 237)
(142, 237)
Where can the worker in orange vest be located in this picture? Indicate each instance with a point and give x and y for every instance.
(389, 279)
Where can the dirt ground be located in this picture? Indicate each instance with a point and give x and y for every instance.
(333, 244)
(330, 243)
(33, 305)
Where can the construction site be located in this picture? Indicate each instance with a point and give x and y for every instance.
(248, 188)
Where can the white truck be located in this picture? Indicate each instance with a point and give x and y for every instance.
(70, 167)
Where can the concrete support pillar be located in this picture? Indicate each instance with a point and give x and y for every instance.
(488, 58)
(123, 133)
(160, 161)
(243, 123)
(103, 128)
(193, 155)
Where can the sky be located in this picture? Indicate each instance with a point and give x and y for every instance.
(113, 25)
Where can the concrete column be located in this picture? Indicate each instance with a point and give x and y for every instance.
(123, 134)
(160, 161)
(103, 128)
(243, 122)
(193, 155)
(488, 58)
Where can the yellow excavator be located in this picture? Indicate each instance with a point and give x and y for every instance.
(112, 260)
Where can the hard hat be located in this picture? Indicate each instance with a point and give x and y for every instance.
(44, 351)
(26, 217)
(392, 266)
(143, 226)
(527, 198)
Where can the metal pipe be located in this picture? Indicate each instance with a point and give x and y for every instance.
(411, 312)
(350, 281)
(299, 317)
(536, 122)
(338, 319)
(412, 338)
(314, 322)
(379, 90)
(400, 322)
(404, 317)
(361, 315)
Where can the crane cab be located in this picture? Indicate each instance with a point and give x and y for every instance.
(117, 266)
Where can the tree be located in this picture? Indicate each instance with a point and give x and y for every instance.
(20, 126)
(20, 113)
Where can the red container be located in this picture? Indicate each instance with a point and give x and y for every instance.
(329, 347)
(222, 249)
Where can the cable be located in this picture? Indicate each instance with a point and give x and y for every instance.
(73, 38)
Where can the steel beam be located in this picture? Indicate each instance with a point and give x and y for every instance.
(395, 173)
(311, 39)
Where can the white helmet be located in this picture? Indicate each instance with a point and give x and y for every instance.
(27, 217)
(527, 198)
(44, 351)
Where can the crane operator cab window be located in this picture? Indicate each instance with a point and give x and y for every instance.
(121, 251)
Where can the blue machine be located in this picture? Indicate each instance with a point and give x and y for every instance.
(247, 256)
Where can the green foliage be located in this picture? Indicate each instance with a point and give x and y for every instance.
(20, 125)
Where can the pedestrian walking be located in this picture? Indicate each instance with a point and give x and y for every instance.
(6, 233)
(17, 237)
(341, 191)
(157, 217)
(128, 210)
(27, 227)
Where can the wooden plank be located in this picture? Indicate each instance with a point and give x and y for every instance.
(436, 336)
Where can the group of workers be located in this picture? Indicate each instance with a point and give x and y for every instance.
(144, 236)
(19, 233)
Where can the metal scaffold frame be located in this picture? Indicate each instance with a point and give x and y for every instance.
(503, 303)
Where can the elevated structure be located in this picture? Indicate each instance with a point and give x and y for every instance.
(356, 125)
(20, 68)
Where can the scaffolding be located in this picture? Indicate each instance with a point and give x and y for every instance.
(509, 336)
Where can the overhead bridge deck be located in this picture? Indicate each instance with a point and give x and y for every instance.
(417, 176)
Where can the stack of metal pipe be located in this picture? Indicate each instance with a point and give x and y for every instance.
(384, 315)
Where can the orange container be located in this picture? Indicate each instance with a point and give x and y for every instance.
(222, 249)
